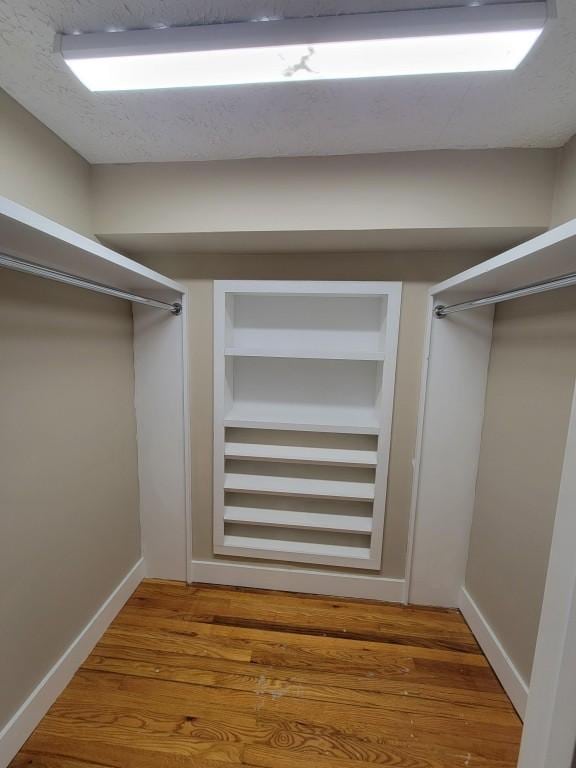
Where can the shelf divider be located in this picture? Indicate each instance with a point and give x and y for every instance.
(275, 548)
(313, 521)
(298, 486)
(305, 354)
(296, 454)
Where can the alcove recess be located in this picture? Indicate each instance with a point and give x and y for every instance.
(303, 395)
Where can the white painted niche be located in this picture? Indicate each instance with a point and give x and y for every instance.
(303, 397)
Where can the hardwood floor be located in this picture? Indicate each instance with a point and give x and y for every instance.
(214, 677)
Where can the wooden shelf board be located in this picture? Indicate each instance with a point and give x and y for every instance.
(297, 454)
(244, 423)
(278, 547)
(298, 486)
(360, 421)
(298, 520)
(36, 238)
(548, 255)
(304, 354)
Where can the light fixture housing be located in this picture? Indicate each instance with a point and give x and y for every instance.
(436, 41)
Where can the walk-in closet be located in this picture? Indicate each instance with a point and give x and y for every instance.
(288, 384)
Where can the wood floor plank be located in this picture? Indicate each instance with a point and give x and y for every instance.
(192, 712)
(317, 645)
(318, 618)
(208, 677)
(116, 721)
(270, 695)
(53, 752)
(314, 686)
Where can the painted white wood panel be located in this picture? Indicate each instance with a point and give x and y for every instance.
(501, 663)
(445, 479)
(304, 354)
(275, 548)
(297, 579)
(160, 398)
(28, 235)
(301, 454)
(296, 519)
(541, 258)
(298, 486)
(355, 421)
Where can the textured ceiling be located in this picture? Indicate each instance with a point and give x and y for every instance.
(534, 106)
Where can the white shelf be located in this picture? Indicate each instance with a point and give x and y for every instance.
(361, 421)
(277, 547)
(298, 454)
(301, 426)
(305, 354)
(300, 520)
(298, 486)
(35, 238)
(543, 257)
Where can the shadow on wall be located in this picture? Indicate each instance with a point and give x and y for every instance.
(422, 267)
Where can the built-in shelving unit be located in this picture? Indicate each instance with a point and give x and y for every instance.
(303, 396)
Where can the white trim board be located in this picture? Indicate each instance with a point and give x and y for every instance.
(162, 425)
(31, 236)
(541, 258)
(451, 416)
(23, 722)
(511, 679)
(297, 580)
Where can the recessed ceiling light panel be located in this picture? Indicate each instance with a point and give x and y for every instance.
(440, 41)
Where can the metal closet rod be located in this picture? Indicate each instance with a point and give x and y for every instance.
(20, 265)
(563, 281)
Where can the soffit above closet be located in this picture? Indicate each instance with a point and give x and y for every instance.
(316, 241)
(534, 106)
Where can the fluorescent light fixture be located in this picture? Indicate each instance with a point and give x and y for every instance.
(439, 41)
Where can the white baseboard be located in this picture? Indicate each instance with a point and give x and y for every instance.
(297, 580)
(511, 679)
(21, 725)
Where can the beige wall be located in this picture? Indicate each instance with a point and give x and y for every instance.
(69, 526)
(530, 385)
(396, 191)
(40, 171)
(417, 270)
(564, 204)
